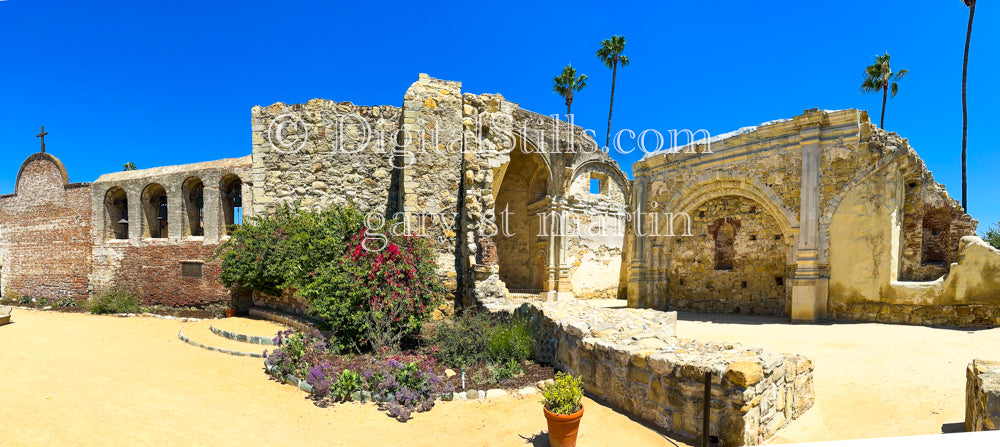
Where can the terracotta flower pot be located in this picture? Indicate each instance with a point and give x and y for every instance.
(230, 312)
(563, 427)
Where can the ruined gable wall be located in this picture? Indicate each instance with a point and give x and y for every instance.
(45, 233)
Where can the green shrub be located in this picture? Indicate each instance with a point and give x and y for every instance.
(114, 300)
(369, 298)
(462, 341)
(348, 383)
(992, 235)
(511, 340)
(500, 371)
(564, 395)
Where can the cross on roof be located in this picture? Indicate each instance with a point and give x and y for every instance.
(42, 136)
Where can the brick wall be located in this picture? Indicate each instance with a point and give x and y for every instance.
(45, 232)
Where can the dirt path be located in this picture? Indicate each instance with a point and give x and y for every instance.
(872, 380)
(77, 379)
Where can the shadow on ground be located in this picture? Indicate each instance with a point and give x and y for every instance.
(954, 427)
(541, 439)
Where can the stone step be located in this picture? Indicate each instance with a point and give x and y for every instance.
(200, 334)
(247, 330)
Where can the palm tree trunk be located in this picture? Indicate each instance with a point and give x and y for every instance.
(569, 103)
(611, 108)
(965, 109)
(885, 95)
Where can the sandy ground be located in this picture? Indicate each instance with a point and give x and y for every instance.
(78, 379)
(872, 380)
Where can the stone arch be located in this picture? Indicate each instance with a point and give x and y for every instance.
(526, 179)
(523, 145)
(231, 192)
(710, 189)
(613, 174)
(116, 218)
(193, 198)
(736, 261)
(155, 212)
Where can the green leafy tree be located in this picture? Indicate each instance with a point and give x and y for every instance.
(992, 235)
(879, 77)
(129, 166)
(567, 83)
(611, 54)
(965, 108)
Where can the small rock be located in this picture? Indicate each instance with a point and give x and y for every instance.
(528, 391)
(449, 373)
(496, 393)
(461, 396)
(473, 394)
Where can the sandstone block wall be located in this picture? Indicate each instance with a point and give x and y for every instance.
(633, 359)
(45, 233)
(982, 396)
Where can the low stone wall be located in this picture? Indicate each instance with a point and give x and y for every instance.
(982, 396)
(958, 315)
(632, 359)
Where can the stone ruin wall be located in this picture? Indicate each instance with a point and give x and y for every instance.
(319, 156)
(448, 149)
(154, 268)
(982, 396)
(880, 271)
(632, 360)
(45, 233)
(754, 280)
(887, 234)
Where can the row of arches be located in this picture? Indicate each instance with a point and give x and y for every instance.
(155, 209)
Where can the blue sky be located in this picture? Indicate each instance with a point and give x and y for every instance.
(162, 83)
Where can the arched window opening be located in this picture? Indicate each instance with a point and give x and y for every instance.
(725, 245)
(934, 243)
(116, 212)
(232, 202)
(154, 201)
(194, 205)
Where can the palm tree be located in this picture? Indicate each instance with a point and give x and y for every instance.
(965, 108)
(611, 54)
(567, 83)
(879, 77)
(129, 166)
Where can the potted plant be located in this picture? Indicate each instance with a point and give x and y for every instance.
(563, 409)
(231, 308)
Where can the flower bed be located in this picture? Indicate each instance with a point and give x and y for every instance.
(400, 384)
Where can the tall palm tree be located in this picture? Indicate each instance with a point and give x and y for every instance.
(611, 54)
(965, 108)
(879, 77)
(567, 83)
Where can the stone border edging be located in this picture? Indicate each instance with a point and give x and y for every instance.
(632, 359)
(365, 396)
(235, 336)
(180, 335)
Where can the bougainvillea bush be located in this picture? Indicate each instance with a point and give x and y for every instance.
(371, 291)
